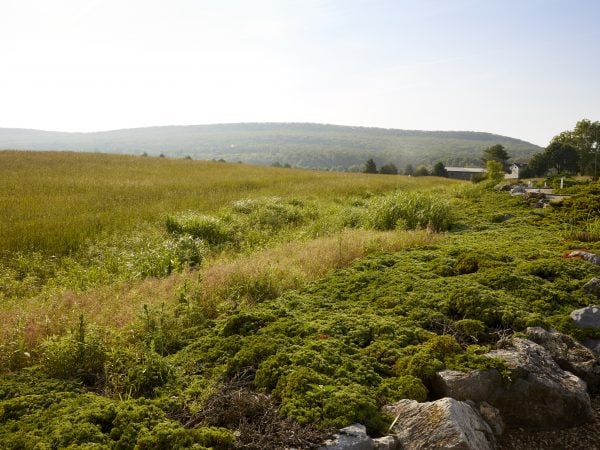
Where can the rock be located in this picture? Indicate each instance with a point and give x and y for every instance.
(569, 355)
(492, 417)
(540, 395)
(586, 256)
(517, 190)
(353, 437)
(588, 317)
(592, 287)
(443, 424)
(386, 443)
(475, 385)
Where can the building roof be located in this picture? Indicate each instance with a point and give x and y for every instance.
(466, 169)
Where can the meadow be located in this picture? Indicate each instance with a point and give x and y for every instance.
(218, 305)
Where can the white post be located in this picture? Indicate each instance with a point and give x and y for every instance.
(562, 180)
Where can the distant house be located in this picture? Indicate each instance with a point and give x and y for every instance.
(464, 173)
(516, 171)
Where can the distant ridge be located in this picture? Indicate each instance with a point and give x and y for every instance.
(309, 145)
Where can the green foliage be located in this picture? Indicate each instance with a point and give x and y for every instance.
(208, 228)
(407, 210)
(397, 388)
(67, 420)
(439, 170)
(495, 170)
(496, 153)
(388, 169)
(370, 166)
(79, 354)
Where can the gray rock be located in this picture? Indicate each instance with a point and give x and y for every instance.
(569, 355)
(386, 443)
(592, 287)
(353, 437)
(586, 256)
(540, 394)
(588, 317)
(443, 424)
(475, 385)
(517, 190)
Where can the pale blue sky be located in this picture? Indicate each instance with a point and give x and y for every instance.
(527, 69)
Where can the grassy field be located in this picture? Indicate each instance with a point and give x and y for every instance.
(53, 201)
(277, 306)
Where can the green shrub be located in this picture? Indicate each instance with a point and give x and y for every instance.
(78, 354)
(134, 371)
(409, 210)
(208, 228)
(396, 388)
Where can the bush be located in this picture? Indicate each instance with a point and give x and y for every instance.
(409, 210)
(78, 354)
(208, 228)
(396, 388)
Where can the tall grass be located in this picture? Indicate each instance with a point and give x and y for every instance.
(53, 202)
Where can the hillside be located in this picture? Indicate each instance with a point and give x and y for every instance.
(297, 144)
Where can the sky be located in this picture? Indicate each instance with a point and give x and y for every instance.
(528, 69)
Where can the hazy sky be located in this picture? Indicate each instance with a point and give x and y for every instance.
(524, 68)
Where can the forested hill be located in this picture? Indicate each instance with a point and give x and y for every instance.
(297, 144)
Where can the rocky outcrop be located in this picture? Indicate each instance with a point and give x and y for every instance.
(444, 424)
(386, 443)
(592, 287)
(570, 355)
(353, 437)
(588, 317)
(539, 394)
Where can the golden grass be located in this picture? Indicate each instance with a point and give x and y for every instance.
(222, 282)
(53, 201)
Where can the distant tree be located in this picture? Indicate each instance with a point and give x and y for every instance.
(559, 156)
(389, 169)
(421, 171)
(188, 157)
(144, 155)
(370, 166)
(538, 164)
(287, 166)
(495, 170)
(562, 157)
(496, 153)
(162, 155)
(409, 170)
(276, 164)
(585, 137)
(439, 170)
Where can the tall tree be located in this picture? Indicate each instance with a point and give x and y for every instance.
(409, 170)
(562, 157)
(439, 170)
(496, 153)
(585, 138)
(370, 166)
